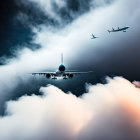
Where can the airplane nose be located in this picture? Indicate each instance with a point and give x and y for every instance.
(62, 68)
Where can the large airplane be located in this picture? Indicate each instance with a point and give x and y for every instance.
(94, 37)
(61, 72)
(119, 29)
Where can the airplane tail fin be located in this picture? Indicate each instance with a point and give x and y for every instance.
(62, 58)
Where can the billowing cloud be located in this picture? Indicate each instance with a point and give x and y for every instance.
(105, 112)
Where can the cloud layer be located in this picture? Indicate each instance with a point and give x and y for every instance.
(105, 112)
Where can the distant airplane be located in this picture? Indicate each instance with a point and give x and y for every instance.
(119, 29)
(94, 37)
(61, 72)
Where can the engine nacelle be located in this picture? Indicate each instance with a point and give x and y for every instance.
(71, 76)
(48, 76)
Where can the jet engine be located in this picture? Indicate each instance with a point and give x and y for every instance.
(48, 76)
(71, 76)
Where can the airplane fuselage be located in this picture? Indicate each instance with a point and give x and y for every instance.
(119, 29)
(123, 29)
(61, 71)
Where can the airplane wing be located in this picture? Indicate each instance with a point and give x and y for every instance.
(43, 73)
(67, 73)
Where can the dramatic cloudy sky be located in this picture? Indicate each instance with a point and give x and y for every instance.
(33, 34)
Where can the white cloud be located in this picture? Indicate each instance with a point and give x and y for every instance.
(106, 112)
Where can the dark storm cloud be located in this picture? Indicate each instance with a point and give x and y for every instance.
(18, 17)
(12, 33)
(59, 13)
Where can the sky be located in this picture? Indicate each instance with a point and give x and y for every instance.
(34, 33)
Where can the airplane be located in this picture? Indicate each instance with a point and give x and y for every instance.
(61, 72)
(119, 29)
(94, 37)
